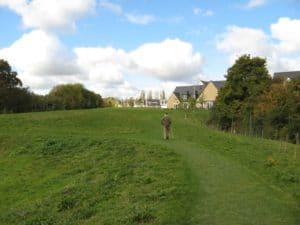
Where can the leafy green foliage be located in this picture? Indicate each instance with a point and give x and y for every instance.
(191, 103)
(252, 104)
(73, 96)
(14, 98)
(246, 80)
(277, 110)
(8, 78)
(110, 102)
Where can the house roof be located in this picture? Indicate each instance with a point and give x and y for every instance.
(285, 75)
(219, 84)
(183, 90)
(197, 89)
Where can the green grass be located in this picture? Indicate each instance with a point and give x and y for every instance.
(111, 166)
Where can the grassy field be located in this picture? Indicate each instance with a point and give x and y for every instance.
(111, 166)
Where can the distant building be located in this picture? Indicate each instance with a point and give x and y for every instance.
(204, 94)
(153, 103)
(148, 101)
(210, 92)
(163, 103)
(181, 95)
(287, 76)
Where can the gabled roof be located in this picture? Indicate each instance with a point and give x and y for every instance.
(195, 89)
(219, 84)
(183, 90)
(285, 75)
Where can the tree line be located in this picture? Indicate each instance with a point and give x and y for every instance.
(15, 98)
(253, 103)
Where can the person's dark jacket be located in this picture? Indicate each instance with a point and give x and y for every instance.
(166, 121)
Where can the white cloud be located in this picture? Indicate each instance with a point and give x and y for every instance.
(197, 11)
(201, 12)
(287, 31)
(141, 19)
(40, 53)
(124, 90)
(50, 14)
(209, 13)
(113, 7)
(168, 61)
(281, 50)
(171, 59)
(255, 3)
(42, 61)
(104, 66)
(241, 40)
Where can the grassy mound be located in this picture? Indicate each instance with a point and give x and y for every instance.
(111, 166)
(79, 180)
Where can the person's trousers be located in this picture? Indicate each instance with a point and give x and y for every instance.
(166, 132)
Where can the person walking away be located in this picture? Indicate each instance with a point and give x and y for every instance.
(166, 122)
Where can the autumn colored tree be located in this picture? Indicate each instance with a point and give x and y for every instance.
(277, 111)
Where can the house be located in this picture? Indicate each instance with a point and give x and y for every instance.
(181, 95)
(287, 76)
(209, 94)
(152, 103)
(147, 101)
(163, 103)
(204, 94)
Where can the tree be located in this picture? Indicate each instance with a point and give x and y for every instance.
(277, 110)
(294, 119)
(142, 98)
(39, 102)
(130, 102)
(8, 78)
(200, 101)
(246, 80)
(110, 102)
(191, 103)
(13, 98)
(73, 96)
(20, 100)
(162, 95)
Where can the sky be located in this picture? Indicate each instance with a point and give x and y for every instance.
(119, 47)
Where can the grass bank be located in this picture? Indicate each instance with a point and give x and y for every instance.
(111, 166)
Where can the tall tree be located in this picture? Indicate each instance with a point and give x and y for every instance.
(246, 80)
(162, 95)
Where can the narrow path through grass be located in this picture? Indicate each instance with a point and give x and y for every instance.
(111, 166)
